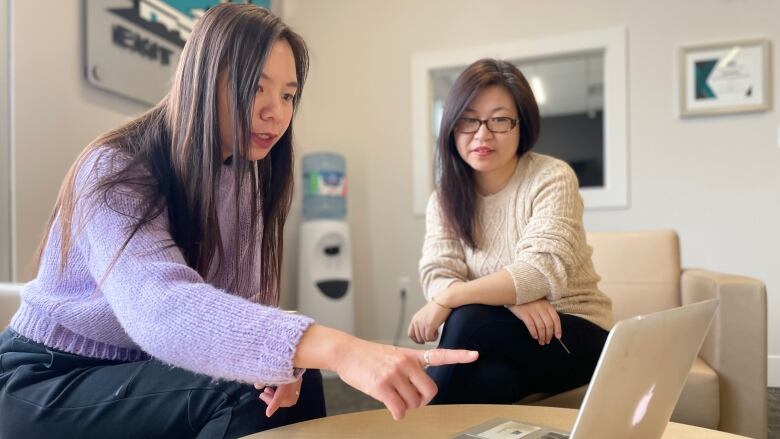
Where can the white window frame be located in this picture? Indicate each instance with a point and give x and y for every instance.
(7, 269)
(612, 41)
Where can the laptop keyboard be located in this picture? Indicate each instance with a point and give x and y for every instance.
(553, 435)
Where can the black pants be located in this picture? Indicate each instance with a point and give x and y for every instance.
(511, 363)
(49, 393)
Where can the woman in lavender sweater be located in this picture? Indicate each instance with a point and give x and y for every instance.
(154, 312)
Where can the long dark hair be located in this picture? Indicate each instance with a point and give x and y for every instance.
(176, 143)
(456, 190)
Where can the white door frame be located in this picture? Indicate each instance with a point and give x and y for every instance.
(7, 269)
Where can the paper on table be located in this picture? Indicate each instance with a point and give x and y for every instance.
(508, 430)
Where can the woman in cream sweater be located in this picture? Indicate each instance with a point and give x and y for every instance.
(505, 264)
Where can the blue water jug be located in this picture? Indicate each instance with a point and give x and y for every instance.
(324, 186)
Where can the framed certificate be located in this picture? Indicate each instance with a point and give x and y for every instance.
(725, 78)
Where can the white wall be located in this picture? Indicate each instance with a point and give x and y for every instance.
(716, 180)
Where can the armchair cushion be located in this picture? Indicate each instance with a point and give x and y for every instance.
(640, 271)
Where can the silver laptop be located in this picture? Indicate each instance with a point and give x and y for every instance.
(638, 379)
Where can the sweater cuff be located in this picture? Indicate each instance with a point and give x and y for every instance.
(277, 353)
(530, 283)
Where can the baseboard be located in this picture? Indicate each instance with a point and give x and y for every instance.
(773, 370)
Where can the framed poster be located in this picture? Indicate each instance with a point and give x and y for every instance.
(132, 47)
(732, 77)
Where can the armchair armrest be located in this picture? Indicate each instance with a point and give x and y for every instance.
(9, 302)
(736, 346)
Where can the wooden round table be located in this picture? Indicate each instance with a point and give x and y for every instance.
(443, 421)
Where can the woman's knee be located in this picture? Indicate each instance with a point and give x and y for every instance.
(465, 320)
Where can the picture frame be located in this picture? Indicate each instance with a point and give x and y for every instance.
(725, 78)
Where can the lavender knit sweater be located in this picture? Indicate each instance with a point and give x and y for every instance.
(151, 304)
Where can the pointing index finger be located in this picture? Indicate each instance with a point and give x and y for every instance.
(440, 357)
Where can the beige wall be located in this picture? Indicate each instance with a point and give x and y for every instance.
(716, 180)
(56, 112)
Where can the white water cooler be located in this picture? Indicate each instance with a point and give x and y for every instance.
(325, 252)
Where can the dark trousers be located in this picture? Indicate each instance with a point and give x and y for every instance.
(49, 393)
(511, 364)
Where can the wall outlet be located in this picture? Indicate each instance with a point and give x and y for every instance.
(778, 136)
(403, 286)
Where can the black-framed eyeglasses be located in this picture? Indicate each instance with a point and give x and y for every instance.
(469, 125)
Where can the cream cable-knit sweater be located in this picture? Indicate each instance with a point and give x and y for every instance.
(533, 229)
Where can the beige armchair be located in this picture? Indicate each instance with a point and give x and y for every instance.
(727, 385)
(9, 302)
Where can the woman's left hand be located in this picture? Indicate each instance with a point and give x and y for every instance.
(541, 319)
(285, 395)
(425, 323)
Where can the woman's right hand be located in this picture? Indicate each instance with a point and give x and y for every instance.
(540, 318)
(395, 376)
(392, 375)
(425, 322)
